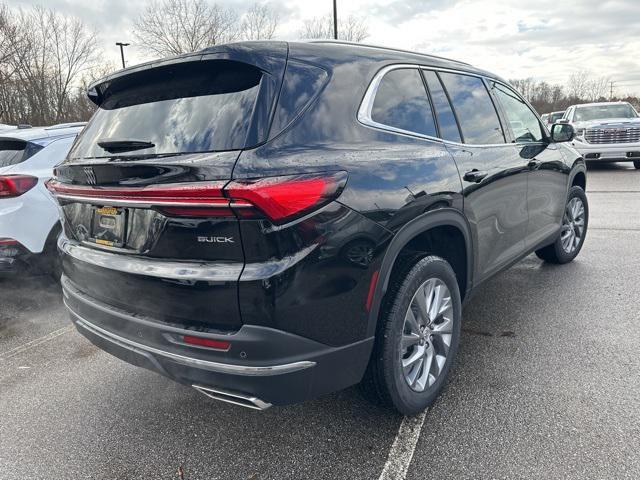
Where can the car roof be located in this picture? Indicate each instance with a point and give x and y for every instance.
(322, 51)
(39, 133)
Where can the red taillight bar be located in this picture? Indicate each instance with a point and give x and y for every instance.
(207, 342)
(279, 198)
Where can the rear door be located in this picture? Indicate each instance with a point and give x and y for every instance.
(547, 171)
(494, 177)
(142, 186)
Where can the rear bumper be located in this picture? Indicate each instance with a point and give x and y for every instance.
(264, 365)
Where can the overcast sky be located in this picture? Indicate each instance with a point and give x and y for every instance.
(544, 39)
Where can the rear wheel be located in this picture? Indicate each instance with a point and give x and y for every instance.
(417, 338)
(636, 163)
(573, 231)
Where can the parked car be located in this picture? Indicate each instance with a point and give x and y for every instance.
(554, 117)
(606, 131)
(29, 217)
(201, 203)
(545, 118)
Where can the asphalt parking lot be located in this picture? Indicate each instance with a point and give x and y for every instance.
(547, 385)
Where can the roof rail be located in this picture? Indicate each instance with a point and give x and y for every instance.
(391, 49)
(66, 125)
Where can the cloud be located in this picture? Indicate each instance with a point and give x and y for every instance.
(545, 39)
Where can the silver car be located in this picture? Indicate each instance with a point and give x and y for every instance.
(607, 131)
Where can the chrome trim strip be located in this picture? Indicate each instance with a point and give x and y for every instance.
(245, 370)
(221, 395)
(210, 272)
(144, 203)
(132, 263)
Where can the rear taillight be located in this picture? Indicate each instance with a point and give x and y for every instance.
(206, 342)
(16, 185)
(284, 198)
(278, 198)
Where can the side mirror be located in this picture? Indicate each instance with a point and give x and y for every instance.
(563, 121)
(562, 132)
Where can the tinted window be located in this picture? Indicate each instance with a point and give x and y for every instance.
(16, 151)
(206, 106)
(473, 106)
(446, 119)
(523, 122)
(401, 102)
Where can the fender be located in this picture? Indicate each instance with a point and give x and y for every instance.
(578, 166)
(435, 218)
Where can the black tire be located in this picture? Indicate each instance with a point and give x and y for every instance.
(385, 380)
(556, 253)
(49, 261)
(636, 163)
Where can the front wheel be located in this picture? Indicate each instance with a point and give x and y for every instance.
(572, 232)
(636, 163)
(417, 338)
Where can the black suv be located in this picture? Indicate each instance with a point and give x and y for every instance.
(270, 221)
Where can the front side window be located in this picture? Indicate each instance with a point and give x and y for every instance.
(474, 109)
(523, 122)
(401, 102)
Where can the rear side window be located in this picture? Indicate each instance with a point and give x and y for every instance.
(184, 108)
(474, 109)
(14, 151)
(401, 102)
(446, 118)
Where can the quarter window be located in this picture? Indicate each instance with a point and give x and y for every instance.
(446, 118)
(523, 122)
(401, 102)
(474, 109)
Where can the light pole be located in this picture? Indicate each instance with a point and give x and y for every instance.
(335, 20)
(122, 45)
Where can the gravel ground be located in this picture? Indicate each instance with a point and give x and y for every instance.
(546, 386)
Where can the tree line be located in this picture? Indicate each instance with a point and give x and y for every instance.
(581, 87)
(47, 60)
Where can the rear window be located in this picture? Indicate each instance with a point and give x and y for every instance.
(14, 151)
(183, 108)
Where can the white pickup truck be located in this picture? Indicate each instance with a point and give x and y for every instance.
(608, 131)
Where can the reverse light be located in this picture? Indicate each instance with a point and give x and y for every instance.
(16, 185)
(206, 342)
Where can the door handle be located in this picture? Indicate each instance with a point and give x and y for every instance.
(475, 176)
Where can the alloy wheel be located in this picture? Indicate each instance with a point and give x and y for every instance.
(572, 225)
(427, 334)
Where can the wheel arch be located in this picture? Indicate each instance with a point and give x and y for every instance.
(429, 222)
(578, 175)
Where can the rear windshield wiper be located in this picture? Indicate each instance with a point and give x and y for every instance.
(124, 145)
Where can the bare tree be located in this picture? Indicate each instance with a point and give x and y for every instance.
(578, 84)
(46, 54)
(259, 23)
(352, 29)
(173, 27)
(597, 88)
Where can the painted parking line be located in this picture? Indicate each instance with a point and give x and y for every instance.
(34, 343)
(404, 445)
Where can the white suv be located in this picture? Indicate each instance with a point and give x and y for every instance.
(29, 222)
(608, 131)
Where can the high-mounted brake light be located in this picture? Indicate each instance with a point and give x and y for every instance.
(278, 198)
(16, 185)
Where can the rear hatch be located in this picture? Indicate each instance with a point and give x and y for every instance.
(148, 228)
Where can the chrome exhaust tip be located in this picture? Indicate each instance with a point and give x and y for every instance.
(235, 398)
